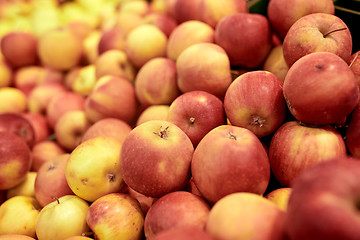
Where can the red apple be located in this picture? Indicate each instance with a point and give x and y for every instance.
(181, 233)
(145, 202)
(155, 158)
(230, 159)
(355, 65)
(324, 202)
(320, 88)
(45, 151)
(196, 113)
(296, 146)
(185, 10)
(252, 30)
(317, 32)
(164, 22)
(40, 125)
(113, 38)
(255, 101)
(352, 134)
(176, 209)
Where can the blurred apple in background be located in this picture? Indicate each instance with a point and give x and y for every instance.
(255, 101)
(6, 74)
(113, 38)
(62, 218)
(244, 29)
(185, 10)
(19, 215)
(244, 163)
(90, 45)
(164, 22)
(15, 99)
(206, 67)
(153, 112)
(320, 88)
(90, 178)
(196, 113)
(85, 80)
(325, 32)
(156, 82)
(280, 196)
(186, 232)
(45, 151)
(296, 146)
(281, 20)
(116, 216)
(155, 158)
(39, 124)
(275, 63)
(78, 238)
(187, 34)
(25, 188)
(355, 65)
(15, 237)
(176, 209)
(352, 134)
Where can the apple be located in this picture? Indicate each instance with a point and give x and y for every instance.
(324, 32)
(25, 188)
(352, 135)
(176, 209)
(275, 63)
(155, 158)
(70, 128)
(19, 48)
(112, 97)
(244, 163)
(156, 82)
(128, 21)
(186, 34)
(237, 30)
(153, 112)
(209, 64)
(116, 216)
(186, 10)
(39, 124)
(244, 215)
(140, 7)
(112, 127)
(62, 218)
(280, 196)
(85, 80)
(143, 43)
(282, 20)
(6, 74)
(181, 233)
(19, 215)
(16, 101)
(90, 178)
(90, 45)
(320, 88)
(329, 190)
(164, 22)
(255, 101)
(113, 38)
(196, 113)
(78, 238)
(15, 237)
(45, 151)
(145, 202)
(355, 65)
(50, 181)
(295, 146)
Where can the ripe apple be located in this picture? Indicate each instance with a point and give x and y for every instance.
(352, 134)
(90, 45)
(252, 30)
(330, 191)
(15, 160)
(355, 65)
(244, 215)
(176, 209)
(255, 101)
(185, 10)
(156, 82)
(84, 80)
(90, 178)
(280, 196)
(145, 202)
(317, 32)
(296, 146)
(50, 181)
(45, 151)
(15, 237)
(78, 238)
(62, 218)
(209, 64)
(275, 63)
(40, 125)
(153, 112)
(25, 188)
(186, 34)
(320, 88)
(282, 20)
(164, 22)
(196, 113)
(6, 74)
(113, 38)
(181, 233)
(155, 158)
(127, 21)
(244, 163)
(116, 216)
(16, 101)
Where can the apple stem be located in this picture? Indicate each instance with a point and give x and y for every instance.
(356, 56)
(163, 133)
(56, 198)
(335, 30)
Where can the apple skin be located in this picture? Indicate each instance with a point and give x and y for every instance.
(113, 38)
(241, 216)
(155, 158)
(153, 112)
(78, 238)
(19, 215)
(330, 191)
(280, 196)
(352, 134)
(282, 20)
(196, 113)
(25, 188)
(116, 216)
(355, 65)
(185, 10)
(339, 92)
(222, 146)
(255, 101)
(181, 233)
(295, 147)
(164, 22)
(187, 34)
(15, 160)
(275, 62)
(62, 218)
(45, 151)
(6, 74)
(145, 202)
(15, 237)
(176, 209)
(16, 101)
(244, 29)
(213, 75)
(102, 177)
(40, 125)
(156, 82)
(50, 181)
(317, 37)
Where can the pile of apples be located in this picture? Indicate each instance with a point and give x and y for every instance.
(178, 119)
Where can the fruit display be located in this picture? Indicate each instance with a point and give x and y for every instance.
(179, 119)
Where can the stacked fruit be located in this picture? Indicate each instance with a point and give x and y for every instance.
(178, 119)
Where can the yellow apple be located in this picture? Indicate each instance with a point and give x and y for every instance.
(14, 98)
(15, 237)
(25, 188)
(85, 80)
(153, 112)
(280, 197)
